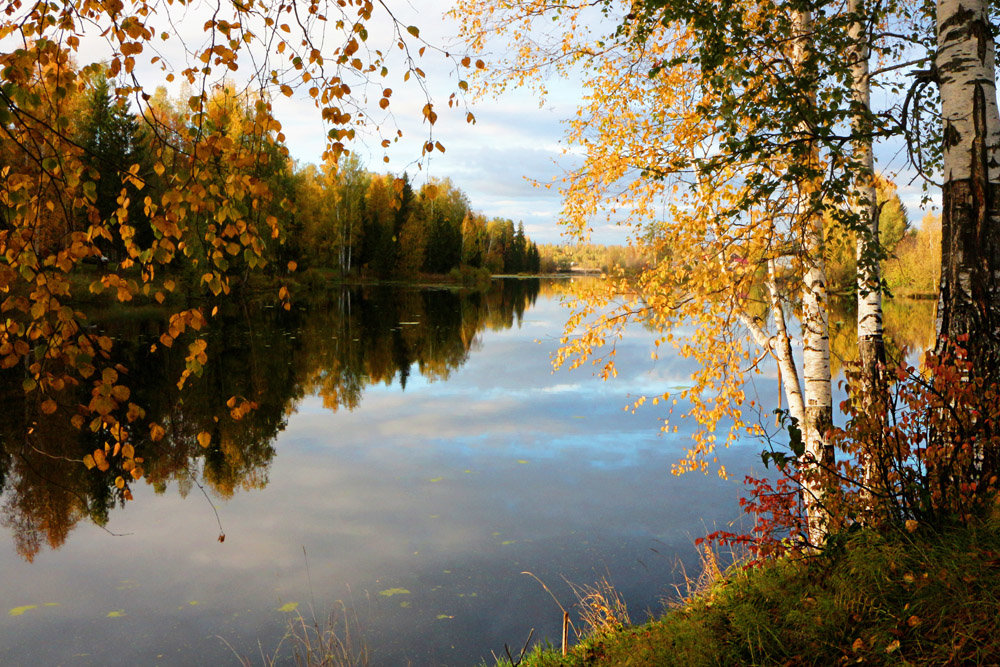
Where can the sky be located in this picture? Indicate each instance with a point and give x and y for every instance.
(515, 147)
(501, 161)
(515, 142)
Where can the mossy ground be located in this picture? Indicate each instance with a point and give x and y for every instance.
(928, 598)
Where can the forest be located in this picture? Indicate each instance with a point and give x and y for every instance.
(749, 152)
(336, 217)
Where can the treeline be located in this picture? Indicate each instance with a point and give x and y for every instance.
(561, 258)
(911, 261)
(204, 184)
(378, 226)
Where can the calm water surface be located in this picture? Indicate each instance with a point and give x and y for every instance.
(412, 454)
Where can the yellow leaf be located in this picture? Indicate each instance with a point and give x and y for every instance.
(156, 432)
(120, 482)
(204, 439)
(49, 406)
(88, 461)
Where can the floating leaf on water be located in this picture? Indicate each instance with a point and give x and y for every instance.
(521, 461)
(389, 592)
(116, 614)
(18, 611)
(404, 604)
(441, 617)
(506, 542)
(289, 607)
(436, 479)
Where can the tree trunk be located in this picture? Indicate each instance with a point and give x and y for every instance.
(969, 302)
(815, 326)
(871, 346)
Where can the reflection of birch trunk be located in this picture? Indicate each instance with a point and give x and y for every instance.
(871, 347)
(815, 328)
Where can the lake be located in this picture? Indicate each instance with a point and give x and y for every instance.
(412, 454)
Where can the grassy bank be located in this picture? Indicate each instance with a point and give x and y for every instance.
(930, 598)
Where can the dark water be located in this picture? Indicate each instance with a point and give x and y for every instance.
(411, 455)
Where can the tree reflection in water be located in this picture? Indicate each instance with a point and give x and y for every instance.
(333, 344)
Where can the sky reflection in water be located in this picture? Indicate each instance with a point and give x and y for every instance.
(447, 490)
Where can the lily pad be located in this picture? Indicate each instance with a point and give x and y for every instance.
(389, 592)
(19, 611)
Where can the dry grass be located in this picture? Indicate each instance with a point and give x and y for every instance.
(332, 643)
(601, 608)
(710, 572)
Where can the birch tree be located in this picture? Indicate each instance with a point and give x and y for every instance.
(718, 135)
(212, 208)
(969, 302)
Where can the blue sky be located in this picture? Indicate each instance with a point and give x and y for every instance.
(516, 141)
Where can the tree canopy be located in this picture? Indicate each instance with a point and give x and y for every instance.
(112, 185)
(734, 142)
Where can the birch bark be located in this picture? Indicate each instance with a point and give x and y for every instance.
(871, 346)
(969, 302)
(815, 325)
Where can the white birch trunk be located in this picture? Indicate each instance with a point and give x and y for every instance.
(966, 63)
(780, 347)
(966, 69)
(815, 328)
(869, 273)
(969, 301)
(871, 346)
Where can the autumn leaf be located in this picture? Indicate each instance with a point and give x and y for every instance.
(204, 439)
(156, 432)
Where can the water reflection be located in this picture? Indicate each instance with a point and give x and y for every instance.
(908, 329)
(333, 345)
(447, 490)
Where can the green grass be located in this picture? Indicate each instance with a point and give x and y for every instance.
(926, 599)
